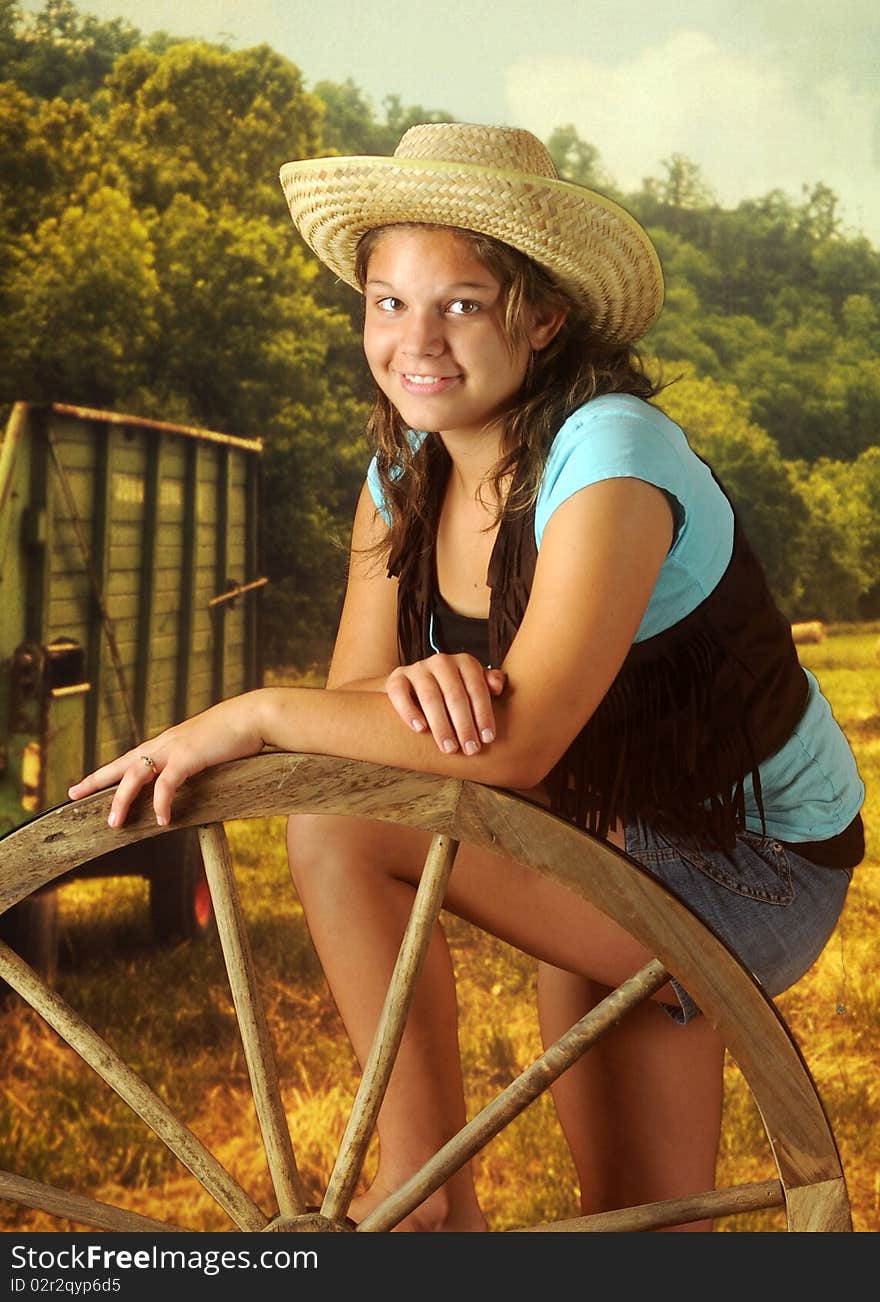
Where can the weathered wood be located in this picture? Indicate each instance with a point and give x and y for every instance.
(754, 1031)
(266, 785)
(522, 1091)
(74, 1207)
(819, 1207)
(672, 1211)
(95, 1051)
(389, 1031)
(276, 783)
(252, 1024)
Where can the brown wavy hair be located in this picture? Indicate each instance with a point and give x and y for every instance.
(573, 368)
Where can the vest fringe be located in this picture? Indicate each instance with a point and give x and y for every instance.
(692, 712)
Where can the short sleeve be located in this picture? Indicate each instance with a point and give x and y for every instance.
(618, 436)
(376, 491)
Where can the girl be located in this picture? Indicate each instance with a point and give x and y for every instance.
(549, 592)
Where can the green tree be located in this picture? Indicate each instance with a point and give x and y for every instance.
(399, 117)
(60, 52)
(866, 491)
(212, 124)
(80, 313)
(348, 124)
(576, 159)
(683, 186)
(763, 487)
(833, 555)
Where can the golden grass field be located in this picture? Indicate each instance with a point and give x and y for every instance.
(169, 1014)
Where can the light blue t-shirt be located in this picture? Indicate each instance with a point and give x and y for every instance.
(811, 787)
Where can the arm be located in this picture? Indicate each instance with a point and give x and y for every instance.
(453, 696)
(599, 560)
(365, 651)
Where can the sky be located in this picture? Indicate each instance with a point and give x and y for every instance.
(762, 94)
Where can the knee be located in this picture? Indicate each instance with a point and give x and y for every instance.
(310, 849)
(330, 850)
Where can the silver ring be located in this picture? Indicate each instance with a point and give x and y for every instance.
(150, 765)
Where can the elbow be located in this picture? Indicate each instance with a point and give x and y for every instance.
(513, 767)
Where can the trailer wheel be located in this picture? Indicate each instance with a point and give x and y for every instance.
(180, 901)
(31, 929)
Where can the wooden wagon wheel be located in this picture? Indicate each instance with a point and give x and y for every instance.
(811, 1184)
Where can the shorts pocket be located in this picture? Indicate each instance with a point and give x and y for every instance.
(757, 868)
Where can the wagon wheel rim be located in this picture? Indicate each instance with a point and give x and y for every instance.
(811, 1183)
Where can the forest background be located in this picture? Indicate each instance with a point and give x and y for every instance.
(148, 265)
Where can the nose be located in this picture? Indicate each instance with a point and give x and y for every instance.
(422, 335)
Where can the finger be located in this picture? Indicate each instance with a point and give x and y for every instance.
(465, 699)
(434, 706)
(106, 776)
(399, 691)
(135, 777)
(496, 680)
(476, 682)
(167, 784)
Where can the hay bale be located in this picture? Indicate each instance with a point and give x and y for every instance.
(812, 631)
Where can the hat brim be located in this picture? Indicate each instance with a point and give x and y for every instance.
(592, 245)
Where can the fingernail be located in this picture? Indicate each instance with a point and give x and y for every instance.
(487, 734)
(161, 820)
(470, 748)
(112, 819)
(417, 725)
(449, 746)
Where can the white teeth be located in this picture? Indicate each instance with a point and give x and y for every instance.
(423, 379)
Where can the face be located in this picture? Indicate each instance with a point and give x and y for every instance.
(433, 333)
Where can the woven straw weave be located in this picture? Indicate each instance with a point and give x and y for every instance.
(498, 181)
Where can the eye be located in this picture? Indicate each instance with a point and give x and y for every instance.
(463, 307)
(389, 304)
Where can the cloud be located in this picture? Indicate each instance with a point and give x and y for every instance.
(742, 117)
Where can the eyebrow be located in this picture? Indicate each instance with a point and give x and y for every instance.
(462, 284)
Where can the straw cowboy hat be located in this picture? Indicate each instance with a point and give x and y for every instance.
(499, 181)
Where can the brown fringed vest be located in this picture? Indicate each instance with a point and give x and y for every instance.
(692, 711)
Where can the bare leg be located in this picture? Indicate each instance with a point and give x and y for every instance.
(356, 879)
(641, 1110)
(357, 920)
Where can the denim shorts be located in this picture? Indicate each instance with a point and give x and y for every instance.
(774, 909)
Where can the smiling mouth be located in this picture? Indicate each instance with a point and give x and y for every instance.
(426, 386)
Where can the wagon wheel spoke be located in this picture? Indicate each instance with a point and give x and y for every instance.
(134, 1091)
(757, 1197)
(760, 1196)
(529, 1085)
(811, 1184)
(252, 1023)
(389, 1031)
(74, 1207)
(522, 1091)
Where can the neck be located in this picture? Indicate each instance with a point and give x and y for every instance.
(473, 456)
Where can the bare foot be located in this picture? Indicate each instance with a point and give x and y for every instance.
(437, 1214)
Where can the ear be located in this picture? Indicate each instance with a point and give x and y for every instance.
(545, 328)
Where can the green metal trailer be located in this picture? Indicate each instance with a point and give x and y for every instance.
(130, 598)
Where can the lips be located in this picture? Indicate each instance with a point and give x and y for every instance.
(425, 385)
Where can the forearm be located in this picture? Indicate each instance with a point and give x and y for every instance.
(362, 724)
(358, 684)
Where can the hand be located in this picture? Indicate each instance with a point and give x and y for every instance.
(451, 697)
(226, 731)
